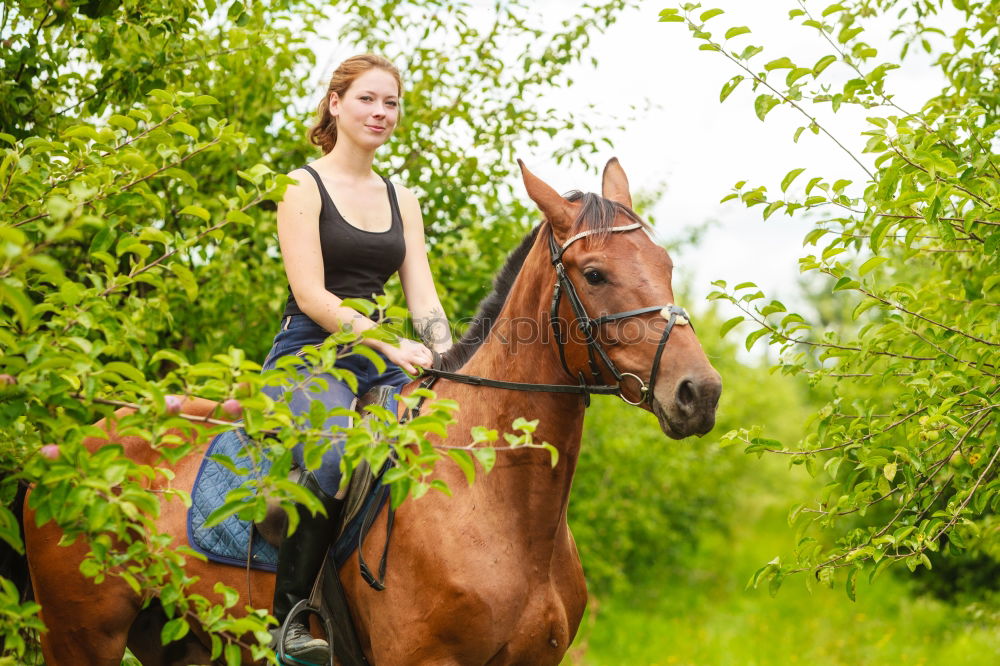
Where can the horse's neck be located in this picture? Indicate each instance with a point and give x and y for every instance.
(520, 348)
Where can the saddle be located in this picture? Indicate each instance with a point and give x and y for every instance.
(239, 543)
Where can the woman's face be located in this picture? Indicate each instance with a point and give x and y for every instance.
(368, 111)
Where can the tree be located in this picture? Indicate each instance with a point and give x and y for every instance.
(142, 153)
(908, 442)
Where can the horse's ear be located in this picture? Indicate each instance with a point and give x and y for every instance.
(557, 210)
(615, 184)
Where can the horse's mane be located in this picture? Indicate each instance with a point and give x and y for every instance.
(489, 307)
(596, 213)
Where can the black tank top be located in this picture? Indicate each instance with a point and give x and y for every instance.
(356, 263)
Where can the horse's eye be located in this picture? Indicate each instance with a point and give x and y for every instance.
(593, 276)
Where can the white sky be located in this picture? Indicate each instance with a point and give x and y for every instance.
(691, 147)
(699, 148)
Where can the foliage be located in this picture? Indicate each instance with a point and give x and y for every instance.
(142, 152)
(908, 443)
(701, 615)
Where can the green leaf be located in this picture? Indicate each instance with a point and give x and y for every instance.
(845, 282)
(670, 16)
(553, 452)
(362, 305)
(738, 30)
(16, 299)
(126, 123)
(796, 74)
(203, 100)
(187, 280)
(789, 177)
(780, 63)
(763, 104)
(889, 471)
(373, 356)
(871, 265)
(523, 424)
(161, 95)
(755, 336)
(879, 233)
(173, 630)
(197, 211)
(464, 460)
(851, 585)
(239, 217)
(169, 355)
(486, 456)
(864, 306)
(729, 324)
(774, 584)
(234, 656)
(125, 370)
(822, 64)
(728, 88)
(186, 128)
(10, 530)
(710, 14)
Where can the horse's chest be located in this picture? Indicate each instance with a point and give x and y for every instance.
(543, 633)
(535, 613)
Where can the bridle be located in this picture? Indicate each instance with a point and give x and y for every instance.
(589, 326)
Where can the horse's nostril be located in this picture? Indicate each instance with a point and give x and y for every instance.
(686, 394)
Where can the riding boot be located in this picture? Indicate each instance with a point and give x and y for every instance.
(299, 559)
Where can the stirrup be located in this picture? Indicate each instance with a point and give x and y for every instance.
(301, 607)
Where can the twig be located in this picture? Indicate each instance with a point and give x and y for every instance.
(942, 180)
(75, 171)
(784, 98)
(899, 307)
(830, 345)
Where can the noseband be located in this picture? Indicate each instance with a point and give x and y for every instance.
(589, 326)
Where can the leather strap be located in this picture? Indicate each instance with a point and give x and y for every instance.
(602, 389)
(588, 326)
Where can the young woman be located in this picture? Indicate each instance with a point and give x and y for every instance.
(344, 230)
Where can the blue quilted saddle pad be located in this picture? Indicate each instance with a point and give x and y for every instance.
(229, 541)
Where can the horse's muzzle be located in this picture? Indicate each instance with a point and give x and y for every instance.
(689, 409)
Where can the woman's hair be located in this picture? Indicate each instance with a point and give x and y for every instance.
(324, 132)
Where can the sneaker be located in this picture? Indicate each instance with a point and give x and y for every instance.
(301, 647)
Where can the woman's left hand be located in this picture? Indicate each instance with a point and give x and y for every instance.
(410, 355)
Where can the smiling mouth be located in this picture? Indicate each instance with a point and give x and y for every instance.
(375, 128)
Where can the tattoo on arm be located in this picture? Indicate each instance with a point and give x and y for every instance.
(434, 330)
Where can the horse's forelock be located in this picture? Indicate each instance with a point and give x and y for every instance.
(599, 214)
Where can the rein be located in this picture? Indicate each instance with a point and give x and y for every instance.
(675, 315)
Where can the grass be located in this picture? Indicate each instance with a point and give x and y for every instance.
(704, 617)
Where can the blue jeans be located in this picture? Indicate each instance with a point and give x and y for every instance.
(298, 331)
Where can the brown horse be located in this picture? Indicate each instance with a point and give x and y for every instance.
(490, 575)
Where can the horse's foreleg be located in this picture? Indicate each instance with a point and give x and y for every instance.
(87, 624)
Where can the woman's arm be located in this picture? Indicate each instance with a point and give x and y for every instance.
(429, 318)
(298, 235)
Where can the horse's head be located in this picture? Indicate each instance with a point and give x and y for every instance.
(615, 310)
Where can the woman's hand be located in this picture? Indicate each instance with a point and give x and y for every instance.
(408, 355)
